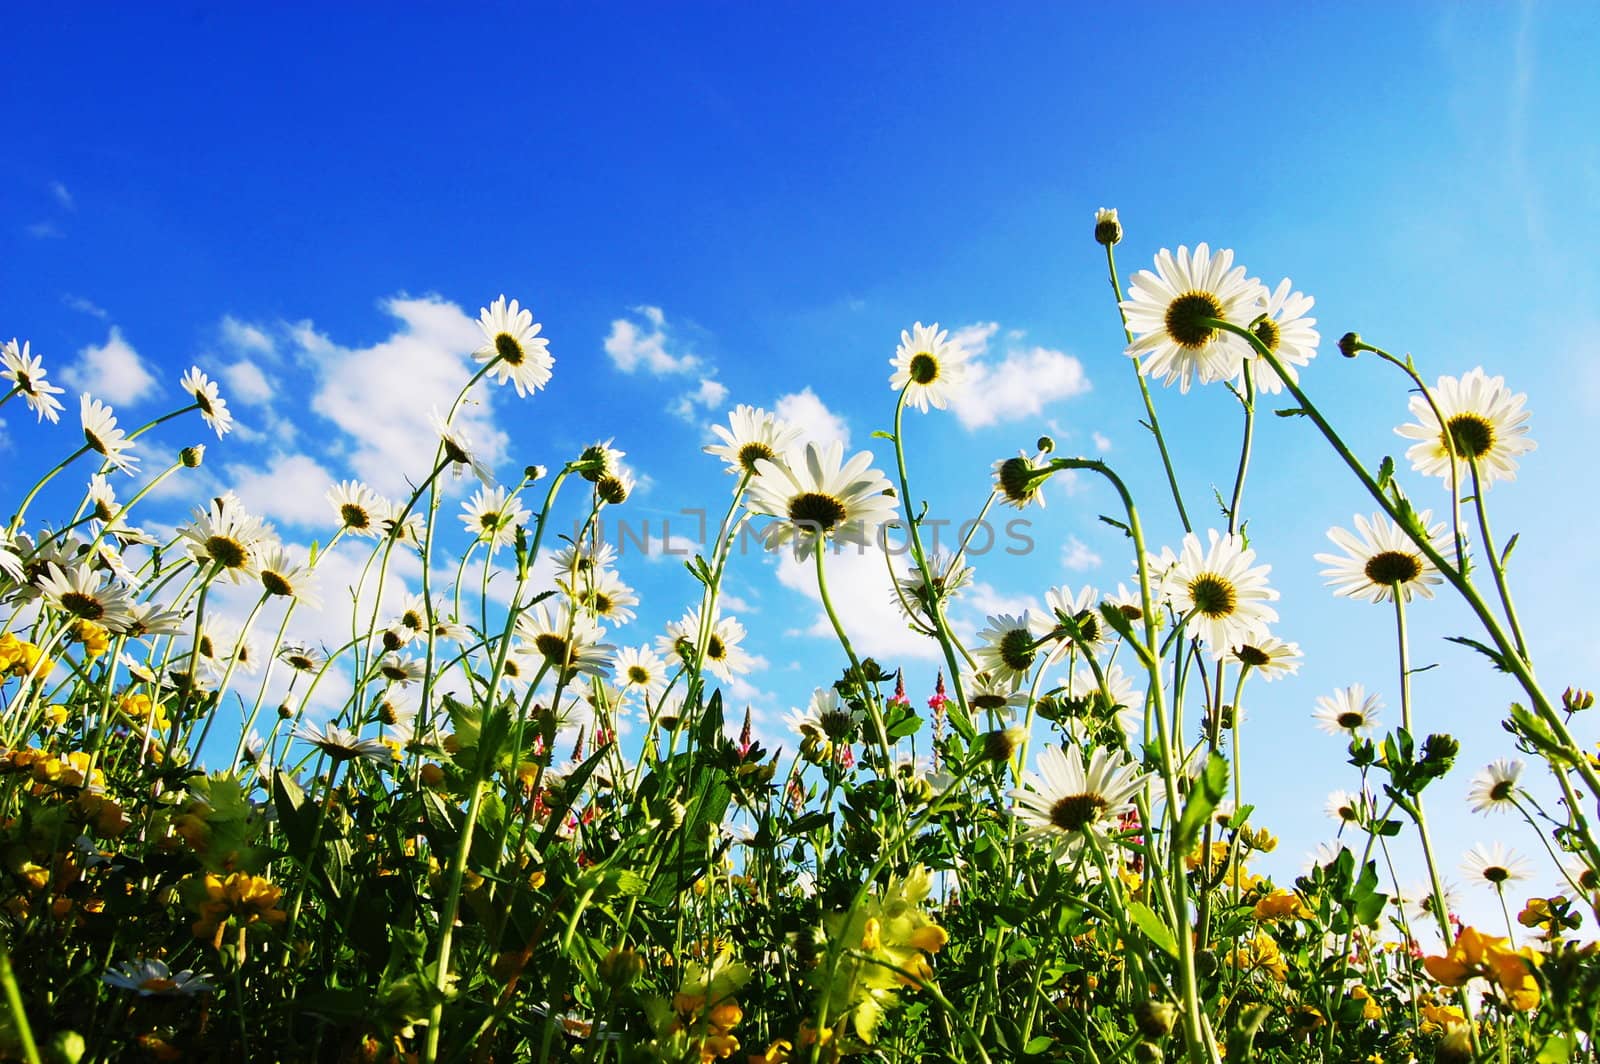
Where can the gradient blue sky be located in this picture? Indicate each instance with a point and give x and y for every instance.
(307, 203)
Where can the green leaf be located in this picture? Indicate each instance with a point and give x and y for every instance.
(1041, 1042)
(1156, 931)
(1500, 661)
(1208, 791)
(1292, 411)
(1557, 1049)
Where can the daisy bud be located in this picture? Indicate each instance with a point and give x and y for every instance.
(1350, 344)
(534, 473)
(1574, 699)
(284, 712)
(1046, 444)
(613, 490)
(1155, 1019)
(191, 457)
(1000, 744)
(1107, 229)
(621, 967)
(431, 775)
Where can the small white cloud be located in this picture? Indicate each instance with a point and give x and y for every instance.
(113, 372)
(83, 306)
(812, 417)
(711, 394)
(63, 197)
(44, 231)
(1102, 442)
(247, 383)
(246, 338)
(1077, 556)
(1019, 386)
(863, 596)
(291, 489)
(631, 347)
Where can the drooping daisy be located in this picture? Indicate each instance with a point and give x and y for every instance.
(825, 717)
(226, 535)
(1126, 702)
(816, 495)
(342, 745)
(948, 578)
(1067, 800)
(573, 562)
(1346, 807)
(358, 507)
(403, 671)
(614, 487)
(26, 373)
(458, 452)
(153, 978)
(1221, 595)
(1487, 424)
(642, 669)
(1284, 330)
(1379, 555)
(79, 591)
(397, 522)
(1167, 310)
(991, 694)
(1107, 227)
(493, 516)
(282, 575)
(724, 656)
(752, 434)
(300, 658)
(513, 345)
(207, 396)
(1494, 865)
(1083, 610)
(150, 619)
(564, 639)
(1011, 646)
(101, 433)
(1494, 790)
(1270, 658)
(928, 367)
(1349, 711)
(605, 595)
(1018, 482)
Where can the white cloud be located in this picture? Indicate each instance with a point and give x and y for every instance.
(1102, 443)
(63, 197)
(631, 346)
(246, 338)
(863, 596)
(710, 395)
(381, 395)
(1077, 556)
(112, 372)
(85, 306)
(812, 417)
(290, 488)
(247, 383)
(44, 231)
(1019, 386)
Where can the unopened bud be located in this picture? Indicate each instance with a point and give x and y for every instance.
(1350, 344)
(621, 966)
(191, 457)
(284, 712)
(1574, 699)
(1046, 444)
(1107, 228)
(1155, 1019)
(1000, 744)
(430, 774)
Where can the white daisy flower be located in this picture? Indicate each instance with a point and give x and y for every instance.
(458, 453)
(151, 619)
(300, 658)
(601, 459)
(10, 560)
(825, 717)
(207, 396)
(992, 694)
(1348, 712)
(1223, 598)
(1067, 800)
(949, 577)
(1018, 482)
(564, 639)
(403, 671)
(614, 487)
(1347, 807)
(1011, 646)
(79, 591)
(493, 516)
(225, 535)
(642, 669)
(101, 433)
(752, 434)
(280, 574)
(816, 495)
(1379, 555)
(342, 745)
(1494, 790)
(605, 595)
(153, 978)
(399, 524)
(1083, 609)
(1284, 330)
(1270, 658)
(26, 374)
(1107, 227)
(1487, 424)
(358, 507)
(929, 368)
(573, 561)
(724, 657)
(1166, 312)
(513, 346)
(1494, 865)
(1127, 700)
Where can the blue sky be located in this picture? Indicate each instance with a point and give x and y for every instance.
(312, 206)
